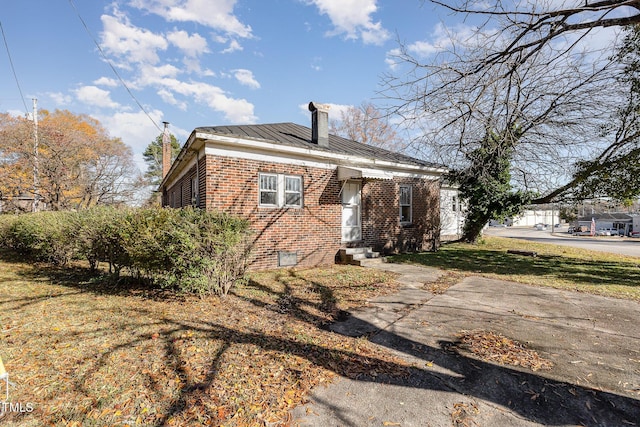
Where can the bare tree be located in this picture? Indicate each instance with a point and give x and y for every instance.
(521, 88)
(369, 125)
(533, 25)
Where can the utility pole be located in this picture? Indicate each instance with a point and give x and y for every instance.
(36, 178)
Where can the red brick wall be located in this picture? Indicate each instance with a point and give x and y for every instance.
(381, 227)
(181, 190)
(313, 231)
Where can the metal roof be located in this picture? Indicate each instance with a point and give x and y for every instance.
(618, 216)
(295, 135)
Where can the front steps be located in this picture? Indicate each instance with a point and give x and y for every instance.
(358, 256)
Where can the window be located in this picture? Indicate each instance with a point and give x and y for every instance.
(292, 191)
(405, 204)
(268, 190)
(278, 190)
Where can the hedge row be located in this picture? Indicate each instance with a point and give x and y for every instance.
(187, 249)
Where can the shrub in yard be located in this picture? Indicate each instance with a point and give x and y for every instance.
(41, 236)
(6, 222)
(99, 237)
(187, 249)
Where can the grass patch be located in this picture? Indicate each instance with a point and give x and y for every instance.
(556, 266)
(84, 352)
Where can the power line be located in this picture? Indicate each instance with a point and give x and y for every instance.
(15, 76)
(113, 68)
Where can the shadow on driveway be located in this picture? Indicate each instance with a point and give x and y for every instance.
(594, 343)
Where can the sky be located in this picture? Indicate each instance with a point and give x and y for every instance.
(202, 62)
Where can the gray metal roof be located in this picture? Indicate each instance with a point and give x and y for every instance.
(618, 216)
(295, 135)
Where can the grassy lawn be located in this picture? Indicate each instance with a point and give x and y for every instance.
(85, 353)
(556, 266)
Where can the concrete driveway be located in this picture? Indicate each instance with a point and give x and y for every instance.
(593, 343)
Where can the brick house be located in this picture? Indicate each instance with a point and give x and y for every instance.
(306, 193)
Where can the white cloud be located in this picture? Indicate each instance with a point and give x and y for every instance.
(169, 98)
(106, 81)
(60, 98)
(124, 40)
(135, 129)
(353, 18)
(192, 65)
(443, 38)
(151, 75)
(216, 14)
(238, 111)
(192, 45)
(234, 46)
(246, 78)
(93, 95)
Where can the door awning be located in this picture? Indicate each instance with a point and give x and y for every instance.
(345, 173)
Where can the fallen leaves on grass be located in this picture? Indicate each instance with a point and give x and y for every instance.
(494, 347)
(88, 354)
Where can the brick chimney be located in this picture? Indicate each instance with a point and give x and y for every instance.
(166, 150)
(319, 124)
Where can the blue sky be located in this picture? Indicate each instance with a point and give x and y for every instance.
(203, 62)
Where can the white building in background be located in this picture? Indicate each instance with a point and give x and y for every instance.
(531, 217)
(452, 213)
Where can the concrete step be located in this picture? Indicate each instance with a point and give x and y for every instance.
(355, 255)
(368, 262)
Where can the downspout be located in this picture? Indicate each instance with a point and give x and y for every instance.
(197, 152)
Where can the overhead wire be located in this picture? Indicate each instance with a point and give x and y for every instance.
(15, 75)
(113, 68)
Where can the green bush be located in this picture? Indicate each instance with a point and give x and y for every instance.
(6, 222)
(42, 236)
(98, 237)
(187, 249)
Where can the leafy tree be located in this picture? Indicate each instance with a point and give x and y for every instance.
(368, 125)
(153, 158)
(79, 165)
(486, 185)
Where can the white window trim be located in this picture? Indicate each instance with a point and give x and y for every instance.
(280, 191)
(410, 221)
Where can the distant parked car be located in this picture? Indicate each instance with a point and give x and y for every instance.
(609, 232)
(634, 234)
(541, 226)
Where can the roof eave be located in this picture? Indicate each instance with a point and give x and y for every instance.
(338, 158)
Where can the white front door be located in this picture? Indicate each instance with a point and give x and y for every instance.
(351, 216)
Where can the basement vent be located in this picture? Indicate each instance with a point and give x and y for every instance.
(287, 259)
